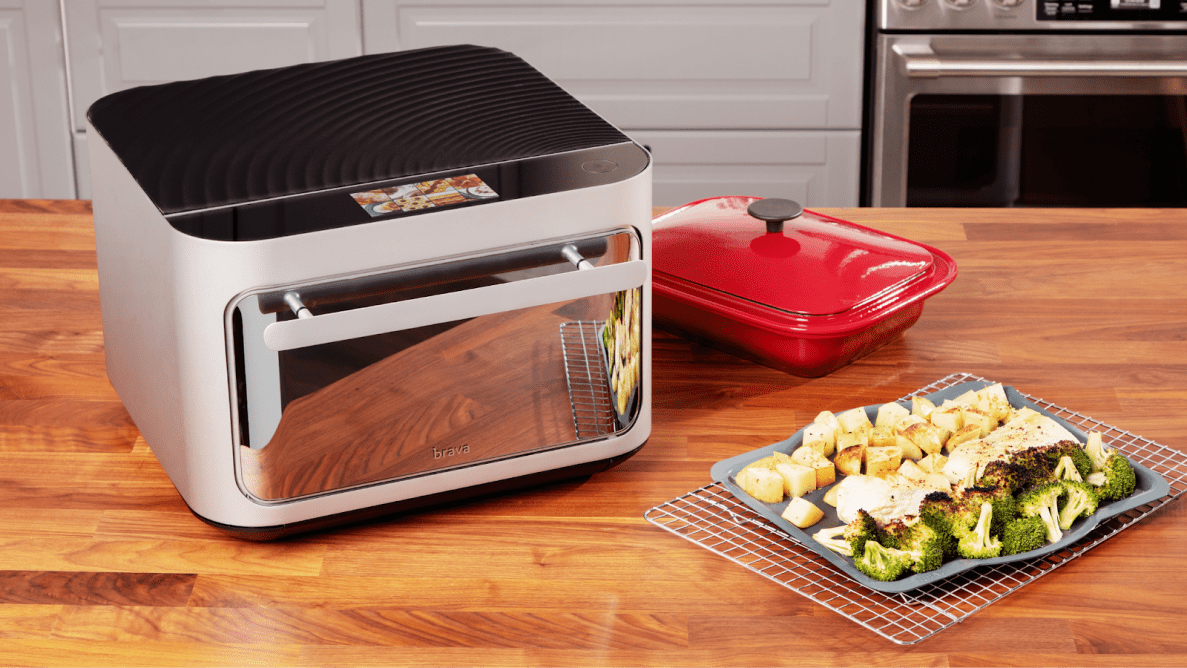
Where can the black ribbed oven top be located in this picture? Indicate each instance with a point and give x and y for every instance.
(239, 138)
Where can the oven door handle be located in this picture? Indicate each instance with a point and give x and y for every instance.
(921, 62)
(450, 306)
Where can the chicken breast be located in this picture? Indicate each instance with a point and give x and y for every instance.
(1027, 430)
(884, 501)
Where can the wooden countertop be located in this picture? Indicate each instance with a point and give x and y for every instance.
(102, 564)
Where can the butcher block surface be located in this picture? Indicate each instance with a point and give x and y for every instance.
(101, 563)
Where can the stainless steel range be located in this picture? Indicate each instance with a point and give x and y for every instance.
(1028, 103)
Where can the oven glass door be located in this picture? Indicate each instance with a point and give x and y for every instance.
(1047, 150)
(1029, 120)
(401, 373)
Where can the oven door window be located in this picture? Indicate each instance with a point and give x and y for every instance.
(458, 363)
(1047, 150)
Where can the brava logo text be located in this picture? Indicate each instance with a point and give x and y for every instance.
(449, 452)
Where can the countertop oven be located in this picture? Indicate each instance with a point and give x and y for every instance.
(1028, 103)
(336, 290)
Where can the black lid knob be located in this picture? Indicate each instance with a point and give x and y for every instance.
(775, 211)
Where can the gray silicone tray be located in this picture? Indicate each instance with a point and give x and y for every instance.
(1150, 487)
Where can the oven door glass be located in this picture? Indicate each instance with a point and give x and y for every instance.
(401, 373)
(1047, 150)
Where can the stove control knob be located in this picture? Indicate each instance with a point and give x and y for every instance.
(960, 4)
(1008, 4)
(912, 4)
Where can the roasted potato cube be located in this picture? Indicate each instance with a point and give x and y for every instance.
(882, 461)
(889, 414)
(826, 472)
(767, 462)
(829, 420)
(761, 483)
(848, 459)
(994, 392)
(910, 450)
(798, 480)
(802, 513)
(821, 437)
(830, 495)
(984, 421)
(883, 436)
(969, 432)
(950, 419)
(922, 406)
(924, 436)
(911, 471)
(933, 463)
(967, 399)
(855, 421)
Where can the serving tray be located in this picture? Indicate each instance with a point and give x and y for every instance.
(1150, 487)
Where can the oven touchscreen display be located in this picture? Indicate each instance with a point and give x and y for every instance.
(424, 195)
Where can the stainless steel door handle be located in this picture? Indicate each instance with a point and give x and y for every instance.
(396, 316)
(921, 62)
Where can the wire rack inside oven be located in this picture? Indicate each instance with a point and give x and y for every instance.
(712, 518)
(589, 385)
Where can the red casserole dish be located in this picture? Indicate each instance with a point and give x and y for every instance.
(792, 289)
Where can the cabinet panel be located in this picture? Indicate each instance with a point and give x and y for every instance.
(659, 65)
(814, 168)
(118, 44)
(37, 161)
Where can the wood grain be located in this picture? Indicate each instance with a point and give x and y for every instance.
(102, 564)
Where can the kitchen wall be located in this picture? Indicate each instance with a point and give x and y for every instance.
(751, 98)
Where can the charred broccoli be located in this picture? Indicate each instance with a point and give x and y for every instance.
(1115, 480)
(1005, 473)
(917, 539)
(1077, 458)
(937, 510)
(1079, 500)
(1043, 501)
(1023, 535)
(1066, 469)
(979, 542)
(882, 563)
(863, 528)
(998, 496)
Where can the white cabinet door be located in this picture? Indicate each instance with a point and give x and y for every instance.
(119, 44)
(35, 156)
(662, 64)
(814, 168)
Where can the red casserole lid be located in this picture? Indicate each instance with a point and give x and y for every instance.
(794, 289)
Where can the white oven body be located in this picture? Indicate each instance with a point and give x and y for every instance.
(165, 297)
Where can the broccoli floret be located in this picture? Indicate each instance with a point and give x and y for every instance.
(833, 538)
(1066, 470)
(917, 539)
(882, 563)
(1079, 500)
(1034, 466)
(1043, 501)
(1004, 507)
(1116, 479)
(1004, 473)
(863, 528)
(1080, 461)
(1023, 535)
(978, 542)
(1097, 451)
(937, 510)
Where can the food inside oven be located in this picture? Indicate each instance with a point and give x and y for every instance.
(423, 391)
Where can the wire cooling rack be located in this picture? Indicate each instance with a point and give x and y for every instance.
(585, 371)
(712, 518)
